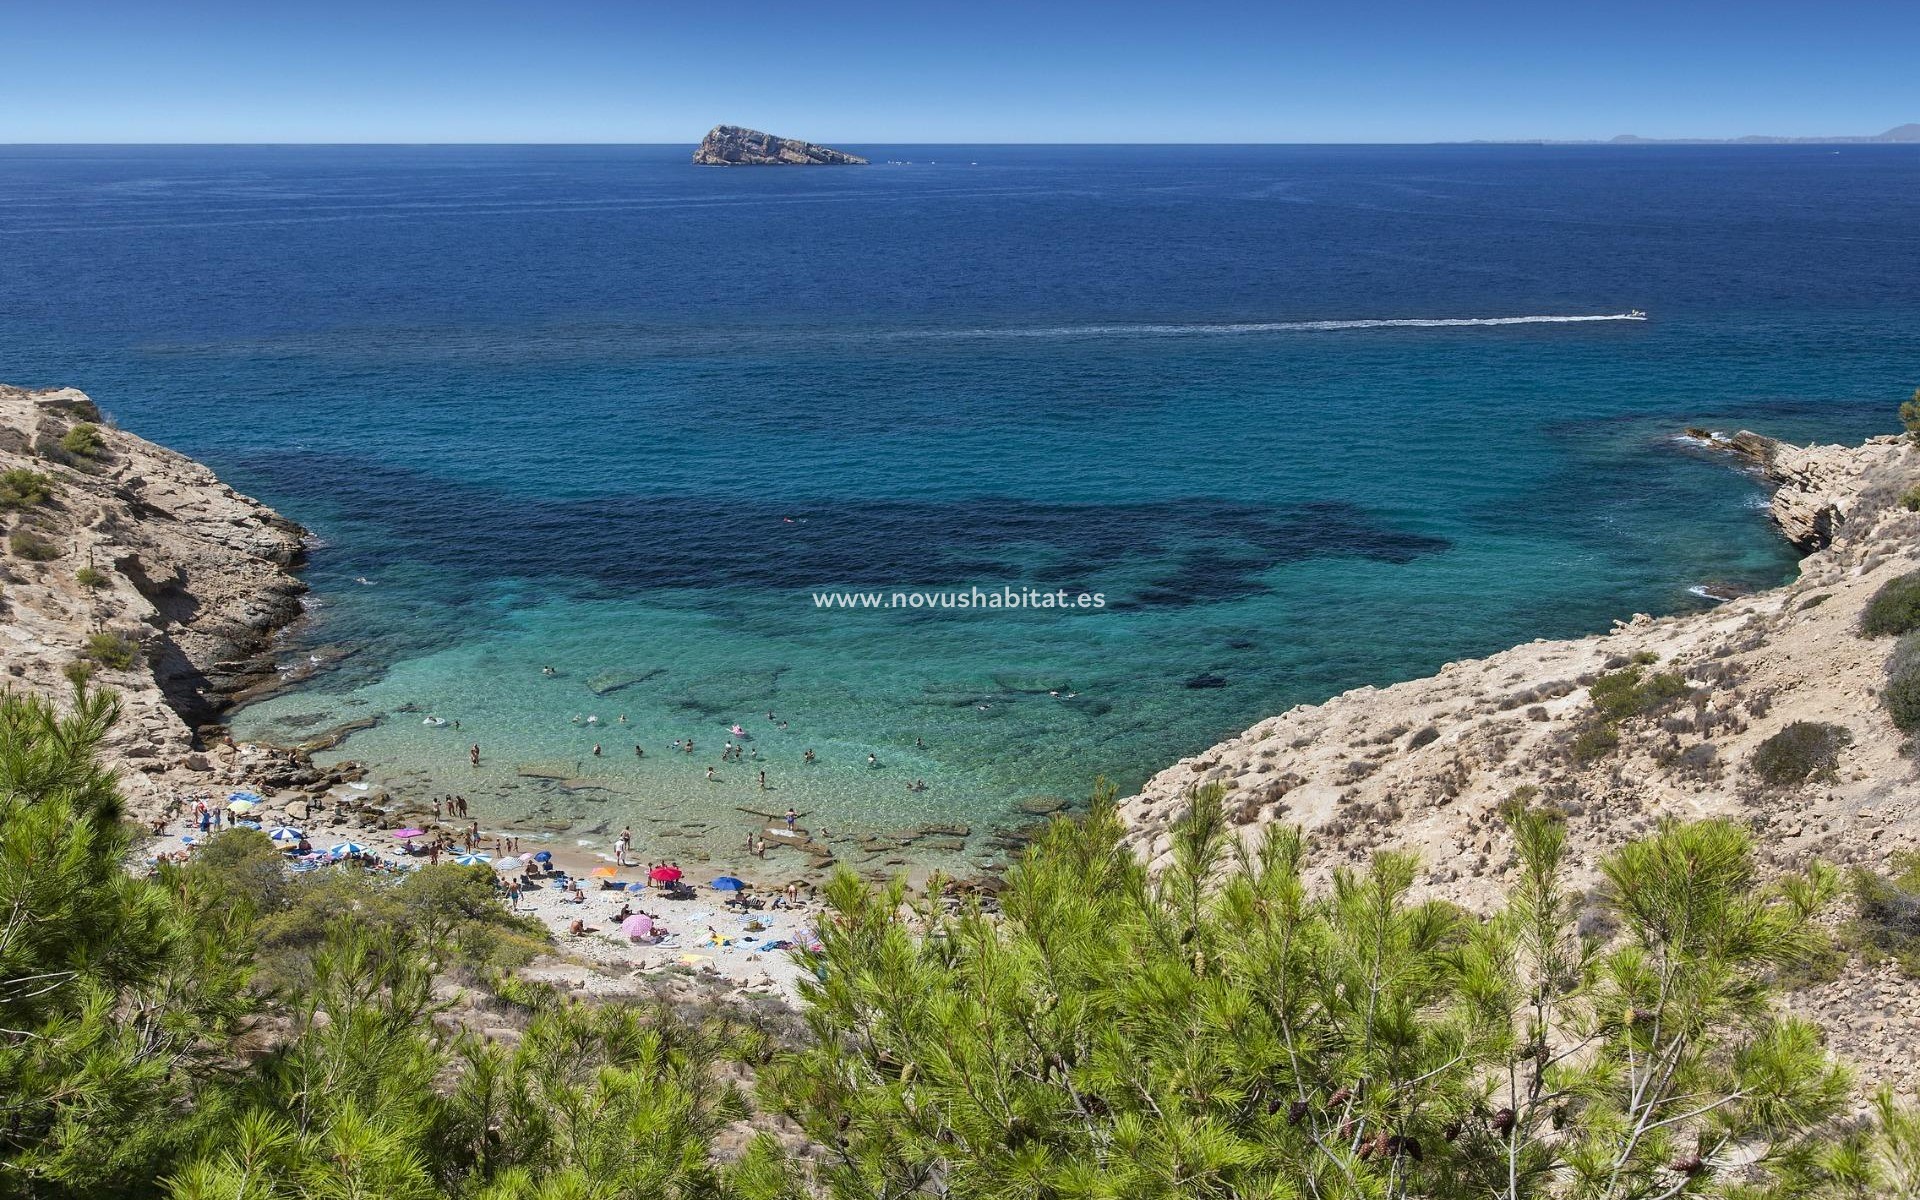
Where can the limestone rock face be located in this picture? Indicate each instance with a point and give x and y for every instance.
(732, 146)
(148, 546)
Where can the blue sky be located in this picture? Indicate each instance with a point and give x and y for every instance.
(634, 71)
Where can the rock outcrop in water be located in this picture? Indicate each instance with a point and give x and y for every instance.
(1425, 765)
(732, 146)
(142, 545)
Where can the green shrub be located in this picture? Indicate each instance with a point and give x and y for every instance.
(1631, 692)
(1803, 750)
(91, 577)
(1910, 415)
(1894, 609)
(21, 488)
(27, 544)
(1902, 696)
(112, 650)
(1887, 912)
(1594, 742)
(1910, 499)
(83, 440)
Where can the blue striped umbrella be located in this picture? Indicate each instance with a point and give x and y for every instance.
(472, 860)
(348, 848)
(285, 833)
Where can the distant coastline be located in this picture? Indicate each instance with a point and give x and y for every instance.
(1899, 135)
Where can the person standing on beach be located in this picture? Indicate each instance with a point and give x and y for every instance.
(620, 847)
(763, 781)
(473, 753)
(792, 816)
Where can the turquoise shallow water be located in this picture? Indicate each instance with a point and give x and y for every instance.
(595, 409)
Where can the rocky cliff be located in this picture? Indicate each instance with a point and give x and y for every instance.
(732, 146)
(1424, 765)
(115, 537)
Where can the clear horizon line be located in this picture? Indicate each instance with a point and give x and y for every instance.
(1641, 142)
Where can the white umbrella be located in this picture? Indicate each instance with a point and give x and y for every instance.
(348, 848)
(509, 863)
(285, 833)
(472, 860)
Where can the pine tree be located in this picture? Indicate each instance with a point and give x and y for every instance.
(114, 993)
(1227, 1030)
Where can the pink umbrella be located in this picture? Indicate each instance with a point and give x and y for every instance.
(639, 925)
(665, 874)
(410, 833)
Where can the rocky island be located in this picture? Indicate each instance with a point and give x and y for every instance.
(732, 146)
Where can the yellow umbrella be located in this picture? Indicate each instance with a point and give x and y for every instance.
(603, 872)
(241, 806)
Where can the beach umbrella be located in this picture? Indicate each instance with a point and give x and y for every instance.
(727, 883)
(638, 925)
(246, 824)
(404, 834)
(347, 848)
(638, 885)
(509, 863)
(189, 839)
(472, 860)
(604, 872)
(543, 856)
(242, 805)
(245, 797)
(665, 874)
(285, 833)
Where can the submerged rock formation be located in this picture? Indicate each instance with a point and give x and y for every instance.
(120, 540)
(732, 146)
(1424, 766)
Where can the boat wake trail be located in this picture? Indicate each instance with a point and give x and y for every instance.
(1095, 331)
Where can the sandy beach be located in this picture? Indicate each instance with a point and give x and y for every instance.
(748, 947)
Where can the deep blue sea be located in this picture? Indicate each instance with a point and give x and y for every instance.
(597, 409)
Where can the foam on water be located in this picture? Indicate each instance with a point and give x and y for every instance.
(1244, 327)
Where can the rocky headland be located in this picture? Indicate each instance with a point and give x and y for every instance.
(732, 146)
(168, 585)
(1425, 765)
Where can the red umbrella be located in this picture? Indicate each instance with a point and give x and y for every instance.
(665, 874)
